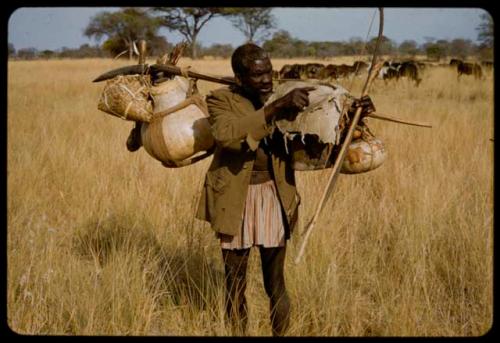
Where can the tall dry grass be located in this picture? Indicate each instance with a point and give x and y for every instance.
(102, 241)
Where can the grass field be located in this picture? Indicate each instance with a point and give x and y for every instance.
(102, 241)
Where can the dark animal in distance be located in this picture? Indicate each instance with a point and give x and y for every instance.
(360, 67)
(396, 70)
(290, 71)
(455, 62)
(464, 68)
(409, 70)
(487, 64)
(312, 70)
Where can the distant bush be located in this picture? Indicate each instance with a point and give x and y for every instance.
(281, 45)
(218, 50)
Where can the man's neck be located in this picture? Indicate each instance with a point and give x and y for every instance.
(255, 99)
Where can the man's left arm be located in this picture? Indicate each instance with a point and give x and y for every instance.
(231, 131)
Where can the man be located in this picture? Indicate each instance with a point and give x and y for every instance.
(249, 195)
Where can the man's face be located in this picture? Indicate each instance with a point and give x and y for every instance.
(258, 80)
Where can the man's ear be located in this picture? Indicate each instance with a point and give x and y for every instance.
(237, 78)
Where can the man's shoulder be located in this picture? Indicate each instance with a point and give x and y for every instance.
(222, 92)
(225, 96)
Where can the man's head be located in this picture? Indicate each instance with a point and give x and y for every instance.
(253, 70)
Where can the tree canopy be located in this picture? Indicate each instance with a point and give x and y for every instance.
(485, 29)
(254, 22)
(123, 28)
(188, 21)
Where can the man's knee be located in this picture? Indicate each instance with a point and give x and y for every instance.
(275, 287)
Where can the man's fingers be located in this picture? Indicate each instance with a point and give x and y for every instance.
(303, 101)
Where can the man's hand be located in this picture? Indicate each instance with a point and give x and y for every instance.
(289, 104)
(365, 103)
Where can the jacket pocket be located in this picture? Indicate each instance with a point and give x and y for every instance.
(217, 180)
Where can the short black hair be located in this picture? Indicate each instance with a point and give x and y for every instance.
(244, 55)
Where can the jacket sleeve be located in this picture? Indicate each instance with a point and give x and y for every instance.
(232, 131)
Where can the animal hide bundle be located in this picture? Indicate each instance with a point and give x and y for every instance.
(313, 137)
(323, 115)
(127, 97)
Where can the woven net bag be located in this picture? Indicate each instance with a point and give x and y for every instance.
(127, 97)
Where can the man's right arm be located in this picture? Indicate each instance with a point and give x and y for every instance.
(292, 102)
(238, 133)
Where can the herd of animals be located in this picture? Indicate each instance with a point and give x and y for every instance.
(391, 70)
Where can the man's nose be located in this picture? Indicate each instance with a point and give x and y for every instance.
(267, 78)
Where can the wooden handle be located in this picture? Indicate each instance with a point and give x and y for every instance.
(142, 51)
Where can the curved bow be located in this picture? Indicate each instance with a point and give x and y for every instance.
(374, 68)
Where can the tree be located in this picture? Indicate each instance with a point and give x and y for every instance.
(461, 48)
(12, 50)
(27, 53)
(188, 21)
(47, 54)
(219, 50)
(435, 51)
(86, 50)
(66, 52)
(357, 45)
(408, 47)
(122, 29)
(445, 46)
(281, 44)
(252, 21)
(158, 46)
(386, 46)
(326, 49)
(485, 29)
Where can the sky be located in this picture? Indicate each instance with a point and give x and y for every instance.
(55, 27)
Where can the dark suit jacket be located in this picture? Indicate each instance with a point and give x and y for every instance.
(238, 128)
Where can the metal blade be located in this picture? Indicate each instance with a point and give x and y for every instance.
(128, 70)
(173, 70)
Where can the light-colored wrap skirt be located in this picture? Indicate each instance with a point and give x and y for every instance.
(262, 220)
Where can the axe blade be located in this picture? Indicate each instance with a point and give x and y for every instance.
(128, 70)
(174, 70)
